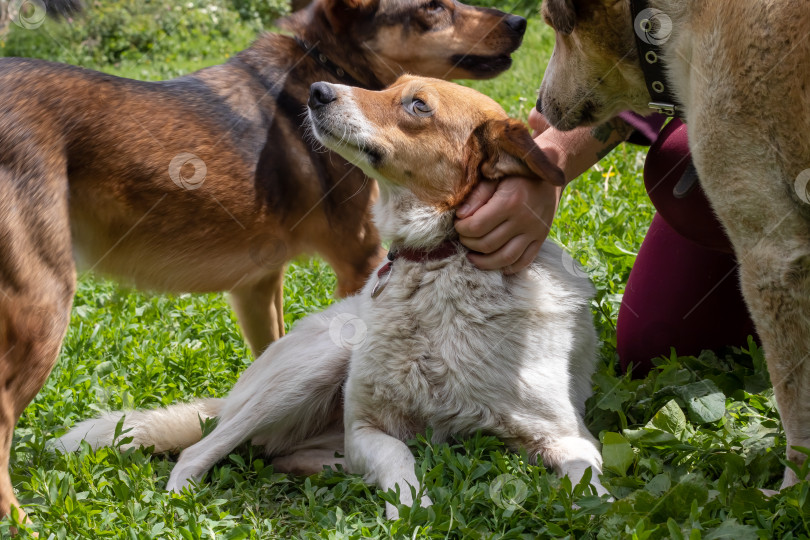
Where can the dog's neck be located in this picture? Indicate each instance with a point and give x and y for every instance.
(343, 50)
(407, 222)
(676, 51)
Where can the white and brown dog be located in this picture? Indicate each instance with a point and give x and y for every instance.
(431, 341)
(740, 74)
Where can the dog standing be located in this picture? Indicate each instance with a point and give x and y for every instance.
(203, 183)
(740, 72)
(431, 341)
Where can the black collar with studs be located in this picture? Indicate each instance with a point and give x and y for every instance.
(646, 28)
(339, 73)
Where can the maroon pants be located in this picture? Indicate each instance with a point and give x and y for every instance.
(683, 291)
(679, 295)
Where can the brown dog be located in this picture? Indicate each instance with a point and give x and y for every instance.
(740, 71)
(203, 183)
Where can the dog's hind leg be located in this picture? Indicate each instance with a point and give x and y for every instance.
(37, 282)
(260, 310)
(289, 394)
(312, 455)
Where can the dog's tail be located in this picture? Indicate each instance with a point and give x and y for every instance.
(169, 429)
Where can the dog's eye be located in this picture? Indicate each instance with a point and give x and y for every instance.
(433, 7)
(417, 107)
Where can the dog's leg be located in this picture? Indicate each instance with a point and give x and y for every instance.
(355, 263)
(311, 456)
(37, 282)
(572, 456)
(383, 460)
(198, 458)
(766, 219)
(289, 394)
(776, 284)
(260, 309)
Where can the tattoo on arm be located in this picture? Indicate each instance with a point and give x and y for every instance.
(611, 133)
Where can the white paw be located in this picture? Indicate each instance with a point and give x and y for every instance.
(790, 478)
(391, 511)
(178, 481)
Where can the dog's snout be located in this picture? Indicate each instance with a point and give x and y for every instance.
(516, 23)
(321, 94)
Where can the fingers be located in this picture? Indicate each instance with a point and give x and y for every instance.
(485, 219)
(509, 229)
(525, 260)
(477, 198)
(493, 240)
(517, 254)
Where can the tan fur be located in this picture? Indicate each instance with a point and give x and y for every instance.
(742, 71)
(97, 169)
(429, 166)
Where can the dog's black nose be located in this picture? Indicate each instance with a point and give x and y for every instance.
(518, 24)
(321, 94)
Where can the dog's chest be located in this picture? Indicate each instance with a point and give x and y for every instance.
(443, 348)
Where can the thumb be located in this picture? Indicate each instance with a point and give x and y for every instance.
(537, 122)
(477, 198)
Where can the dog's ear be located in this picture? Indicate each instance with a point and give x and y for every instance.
(562, 14)
(505, 148)
(341, 13)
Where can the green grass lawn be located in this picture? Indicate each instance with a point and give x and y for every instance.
(685, 448)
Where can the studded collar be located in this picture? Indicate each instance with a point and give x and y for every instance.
(652, 28)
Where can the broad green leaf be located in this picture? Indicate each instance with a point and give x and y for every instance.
(650, 436)
(617, 454)
(704, 401)
(731, 530)
(669, 418)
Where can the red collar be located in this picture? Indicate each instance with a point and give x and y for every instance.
(446, 249)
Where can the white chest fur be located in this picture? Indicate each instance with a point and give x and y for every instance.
(457, 349)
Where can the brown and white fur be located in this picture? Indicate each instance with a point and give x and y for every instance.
(203, 183)
(444, 345)
(742, 72)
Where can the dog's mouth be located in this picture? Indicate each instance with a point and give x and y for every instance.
(345, 144)
(483, 66)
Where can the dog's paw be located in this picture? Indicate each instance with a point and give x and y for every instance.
(62, 445)
(178, 481)
(790, 478)
(392, 513)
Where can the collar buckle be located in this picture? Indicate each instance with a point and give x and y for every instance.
(667, 109)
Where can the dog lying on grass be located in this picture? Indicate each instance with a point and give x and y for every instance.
(431, 341)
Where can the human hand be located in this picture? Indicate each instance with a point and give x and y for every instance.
(507, 222)
(537, 123)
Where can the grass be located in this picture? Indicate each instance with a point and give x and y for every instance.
(685, 448)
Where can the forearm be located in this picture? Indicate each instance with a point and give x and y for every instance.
(578, 150)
